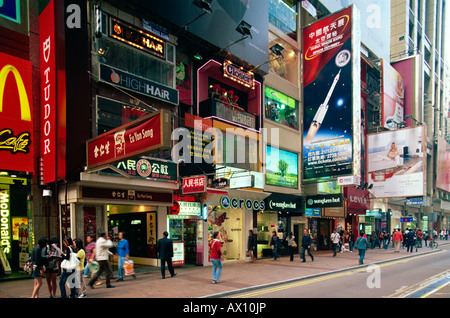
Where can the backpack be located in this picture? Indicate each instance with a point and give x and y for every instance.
(28, 267)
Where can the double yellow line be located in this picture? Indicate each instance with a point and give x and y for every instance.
(326, 277)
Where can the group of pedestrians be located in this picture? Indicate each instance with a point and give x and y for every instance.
(74, 262)
(49, 260)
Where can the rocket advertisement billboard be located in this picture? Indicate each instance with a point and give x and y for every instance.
(332, 123)
(397, 162)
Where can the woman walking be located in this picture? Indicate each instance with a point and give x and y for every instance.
(52, 268)
(38, 261)
(81, 254)
(291, 240)
(216, 258)
(67, 272)
(361, 244)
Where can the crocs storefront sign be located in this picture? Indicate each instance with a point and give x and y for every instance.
(241, 203)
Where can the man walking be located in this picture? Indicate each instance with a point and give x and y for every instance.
(306, 246)
(398, 239)
(410, 240)
(102, 255)
(164, 248)
(123, 252)
(335, 239)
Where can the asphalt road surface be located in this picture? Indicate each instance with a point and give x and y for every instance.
(423, 276)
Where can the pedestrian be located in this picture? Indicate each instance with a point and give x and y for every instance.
(52, 268)
(38, 260)
(90, 256)
(69, 272)
(275, 242)
(102, 247)
(398, 239)
(404, 238)
(410, 240)
(291, 238)
(123, 252)
(419, 238)
(306, 246)
(335, 239)
(251, 246)
(351, 240)
(81, 254)
(216, 256)
(164, 248)
(386, 240)
(426, 237)
(361, 244)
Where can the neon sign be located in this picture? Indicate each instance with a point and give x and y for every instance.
(5, 224)
(137, 38)
(237, 74)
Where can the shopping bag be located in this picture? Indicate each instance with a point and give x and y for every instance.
(128, 266)
(93, 267)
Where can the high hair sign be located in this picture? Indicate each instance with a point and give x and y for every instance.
(16, 122)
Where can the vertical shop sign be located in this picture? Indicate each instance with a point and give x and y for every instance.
(48, 91)
(151, 234)
(5, 222)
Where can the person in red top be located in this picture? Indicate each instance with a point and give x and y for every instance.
(216, 258)
(397, 238)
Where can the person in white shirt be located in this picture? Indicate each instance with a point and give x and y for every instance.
(335, 239)
(102, 247)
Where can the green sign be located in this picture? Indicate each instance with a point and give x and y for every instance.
(146, 168)
(280, 97)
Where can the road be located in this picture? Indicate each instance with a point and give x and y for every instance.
(423, 276)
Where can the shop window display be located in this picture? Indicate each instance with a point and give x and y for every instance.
(288, 66)
(229, 225)
(281, 108)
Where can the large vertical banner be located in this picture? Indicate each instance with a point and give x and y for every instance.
(393, 97)
(332, 96)
(48, 91)
(16, 123)
(443, 165)
(397, 162)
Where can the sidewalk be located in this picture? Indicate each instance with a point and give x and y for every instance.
(195, 281)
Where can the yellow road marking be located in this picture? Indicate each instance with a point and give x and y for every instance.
(326, 277)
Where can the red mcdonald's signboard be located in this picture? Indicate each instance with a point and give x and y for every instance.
(16, 122)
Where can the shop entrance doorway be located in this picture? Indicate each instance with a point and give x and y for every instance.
(324, 240)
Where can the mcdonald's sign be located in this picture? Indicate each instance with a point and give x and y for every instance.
(16, 122)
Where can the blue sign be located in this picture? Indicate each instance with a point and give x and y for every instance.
(10, 9)
(414, 201)
(313, 212)
(406, 220)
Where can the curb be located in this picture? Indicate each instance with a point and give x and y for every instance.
(301, 278)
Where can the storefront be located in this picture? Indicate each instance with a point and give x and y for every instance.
(185, 227)
(283, 213)
(231, 215)
(358, 202)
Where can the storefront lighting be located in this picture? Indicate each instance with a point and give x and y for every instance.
(244, 28)
(276, 49)
(205, 5)
(98, 21)
(198, 57)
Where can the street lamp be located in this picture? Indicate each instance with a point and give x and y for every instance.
(276, 49)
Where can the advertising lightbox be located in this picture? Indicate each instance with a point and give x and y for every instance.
(332, 103)
(393, 97)
(281, 168)
(397, 162)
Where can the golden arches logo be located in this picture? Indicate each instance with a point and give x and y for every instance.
(25, 111)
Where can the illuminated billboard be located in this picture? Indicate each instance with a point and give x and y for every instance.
(397, 162)
(281, 168)
(332, 104)
(443, 165)
(393, 97)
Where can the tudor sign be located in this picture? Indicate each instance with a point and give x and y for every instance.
(139, 137)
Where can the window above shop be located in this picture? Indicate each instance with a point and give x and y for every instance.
(288, 66)
(281, 108)
(283, 15)
(135, 51)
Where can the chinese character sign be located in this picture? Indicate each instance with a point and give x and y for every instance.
(194, 184)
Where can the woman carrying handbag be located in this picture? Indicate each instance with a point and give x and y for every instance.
(68, 266)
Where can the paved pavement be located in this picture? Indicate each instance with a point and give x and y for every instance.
(195, 281)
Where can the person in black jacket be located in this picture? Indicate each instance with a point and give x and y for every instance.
(164, 248)
(39, 262)
(306, 246)
(251, 246)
